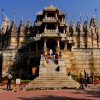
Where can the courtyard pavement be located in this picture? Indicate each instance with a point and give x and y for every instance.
(90, 93)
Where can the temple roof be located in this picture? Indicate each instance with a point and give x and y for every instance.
(39, 13)
(61, 13)
(51, 8)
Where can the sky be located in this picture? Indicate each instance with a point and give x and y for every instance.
(27, 9)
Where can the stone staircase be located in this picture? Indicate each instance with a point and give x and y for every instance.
(52, 81)
(52, 76)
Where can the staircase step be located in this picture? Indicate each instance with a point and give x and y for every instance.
(50, 78)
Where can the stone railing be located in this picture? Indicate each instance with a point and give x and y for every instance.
(50, 31)
(38, 35)
(50, 19)
(63, 34)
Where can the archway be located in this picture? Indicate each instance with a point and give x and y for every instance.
(52, 44)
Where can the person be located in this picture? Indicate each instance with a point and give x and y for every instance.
(92, 77)
(85, 78)
(81, 79)
(56, 58)
(88, 79)
(9, 77)
(47, 59)
(69, 74)
(51, 52)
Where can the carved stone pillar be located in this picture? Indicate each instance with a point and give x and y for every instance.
(62, 19)
(63, 30)
(57, 28)
(45, 42)
(58, 46)
(65, 48)
(45, 47)
(56, 15)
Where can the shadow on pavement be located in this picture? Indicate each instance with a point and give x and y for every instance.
(50, 97)
(94, 93)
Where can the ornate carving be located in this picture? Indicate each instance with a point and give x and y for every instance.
(86, 27)
(79, 27)
(72, 27)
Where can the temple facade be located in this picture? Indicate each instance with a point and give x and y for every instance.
(50, 38)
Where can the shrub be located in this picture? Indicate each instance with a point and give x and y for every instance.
(75, 77)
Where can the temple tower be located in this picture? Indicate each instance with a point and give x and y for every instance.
(93, 27)
(21, 33)
(13, 36)
(80, 35)
(87, 35)
(72, 35)
(4, 34)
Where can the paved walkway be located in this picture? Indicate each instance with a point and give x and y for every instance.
(90, 93)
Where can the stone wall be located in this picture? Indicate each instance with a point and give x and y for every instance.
(8, 59)
(88, 59)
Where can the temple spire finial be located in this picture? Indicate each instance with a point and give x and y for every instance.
(95, 13)
(14, 18)
(22, 19)
(80, 19)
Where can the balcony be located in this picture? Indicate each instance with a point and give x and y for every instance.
(38, 23)
(51, 33)
(50, 19)
(70, 39)
(62, 23)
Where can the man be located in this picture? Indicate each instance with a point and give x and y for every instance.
(9, 77)
(81, 79)
(85, 78)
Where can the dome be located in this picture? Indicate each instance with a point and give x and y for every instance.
(50, 8)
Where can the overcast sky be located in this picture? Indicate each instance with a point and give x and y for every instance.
(27, 9)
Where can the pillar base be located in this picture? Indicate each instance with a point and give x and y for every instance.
(58, 49)
(45, 50)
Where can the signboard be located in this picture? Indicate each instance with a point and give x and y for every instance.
(34, 70)
(18, 81)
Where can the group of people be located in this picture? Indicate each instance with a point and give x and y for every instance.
(52, 55)
(83, 79)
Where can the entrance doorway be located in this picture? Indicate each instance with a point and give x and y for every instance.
(0, 68)
(51, 44)
(69, 46)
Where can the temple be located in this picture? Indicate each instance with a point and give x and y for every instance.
(50, 42)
